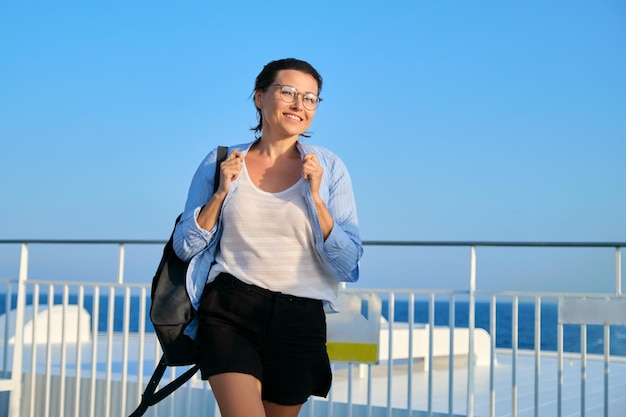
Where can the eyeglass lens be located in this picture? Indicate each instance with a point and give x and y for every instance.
(289, 94)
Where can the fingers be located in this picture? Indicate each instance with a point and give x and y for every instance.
(312, 171)
(231, 168)
(310, 157)
(234, 160)
(311, 167)
(235, 154)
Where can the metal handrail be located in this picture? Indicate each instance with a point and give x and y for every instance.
(465, 243)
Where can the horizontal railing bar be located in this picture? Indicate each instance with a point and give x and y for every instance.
(108, 284)
(494, 243)
(480, 293)
(566, 355)
(365, 243)
(86, 241)
(485, 293)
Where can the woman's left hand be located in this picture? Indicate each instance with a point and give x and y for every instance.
(312, 171)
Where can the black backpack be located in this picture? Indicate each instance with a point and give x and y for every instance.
(170, 313)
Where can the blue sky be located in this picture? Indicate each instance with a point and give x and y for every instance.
(475, 120)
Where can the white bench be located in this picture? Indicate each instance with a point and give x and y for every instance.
(441, 343)
(75, 322)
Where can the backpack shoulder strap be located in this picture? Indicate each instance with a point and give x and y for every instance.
(151, 396)
(222, 153)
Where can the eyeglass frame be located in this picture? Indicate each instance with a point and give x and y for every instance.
(319, 99)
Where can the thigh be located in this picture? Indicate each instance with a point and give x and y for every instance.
(237, 395)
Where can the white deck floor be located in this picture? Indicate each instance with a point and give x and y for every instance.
(524, 387)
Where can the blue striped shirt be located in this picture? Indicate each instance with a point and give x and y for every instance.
(339, 253)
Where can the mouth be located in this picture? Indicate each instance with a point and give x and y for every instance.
(292, 117)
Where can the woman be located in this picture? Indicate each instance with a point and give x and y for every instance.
(267, 252)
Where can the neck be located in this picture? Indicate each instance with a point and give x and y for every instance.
(274, 148)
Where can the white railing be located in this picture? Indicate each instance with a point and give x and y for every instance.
(105, 375)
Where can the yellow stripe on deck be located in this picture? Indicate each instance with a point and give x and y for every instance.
(352, 352)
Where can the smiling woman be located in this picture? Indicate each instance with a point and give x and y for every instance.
(268, 249)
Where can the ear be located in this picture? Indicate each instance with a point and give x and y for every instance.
(258, 98)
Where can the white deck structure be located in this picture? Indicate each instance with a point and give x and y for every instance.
(72, 370)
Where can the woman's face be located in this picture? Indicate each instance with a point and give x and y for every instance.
(283, 118)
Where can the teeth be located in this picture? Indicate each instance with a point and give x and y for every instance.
(294, 117)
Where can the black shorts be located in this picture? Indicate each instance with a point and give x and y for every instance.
(279, 339)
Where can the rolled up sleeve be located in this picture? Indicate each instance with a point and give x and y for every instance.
(189, 238)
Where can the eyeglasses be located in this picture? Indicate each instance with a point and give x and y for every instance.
(289, 94)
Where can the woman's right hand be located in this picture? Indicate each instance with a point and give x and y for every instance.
(229, 171)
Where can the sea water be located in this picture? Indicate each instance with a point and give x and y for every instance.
(503, 321)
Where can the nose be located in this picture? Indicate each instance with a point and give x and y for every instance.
(298, 102)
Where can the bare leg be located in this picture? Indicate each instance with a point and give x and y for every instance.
(277, 410)
(238, 395)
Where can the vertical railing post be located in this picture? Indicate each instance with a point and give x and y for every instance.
(15, 399)
(411, 322)
(429, 360)
(470, 359)
(537, 351)
(492, 357)
(6, 370)
(120, 268)
(330, 403)
(514, 347)
(452, 325)
(607, 355)
(618, 271)
(583, 369)
(391, 318)
(559, 349)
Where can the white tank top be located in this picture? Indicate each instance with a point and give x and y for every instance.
(267, 241)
